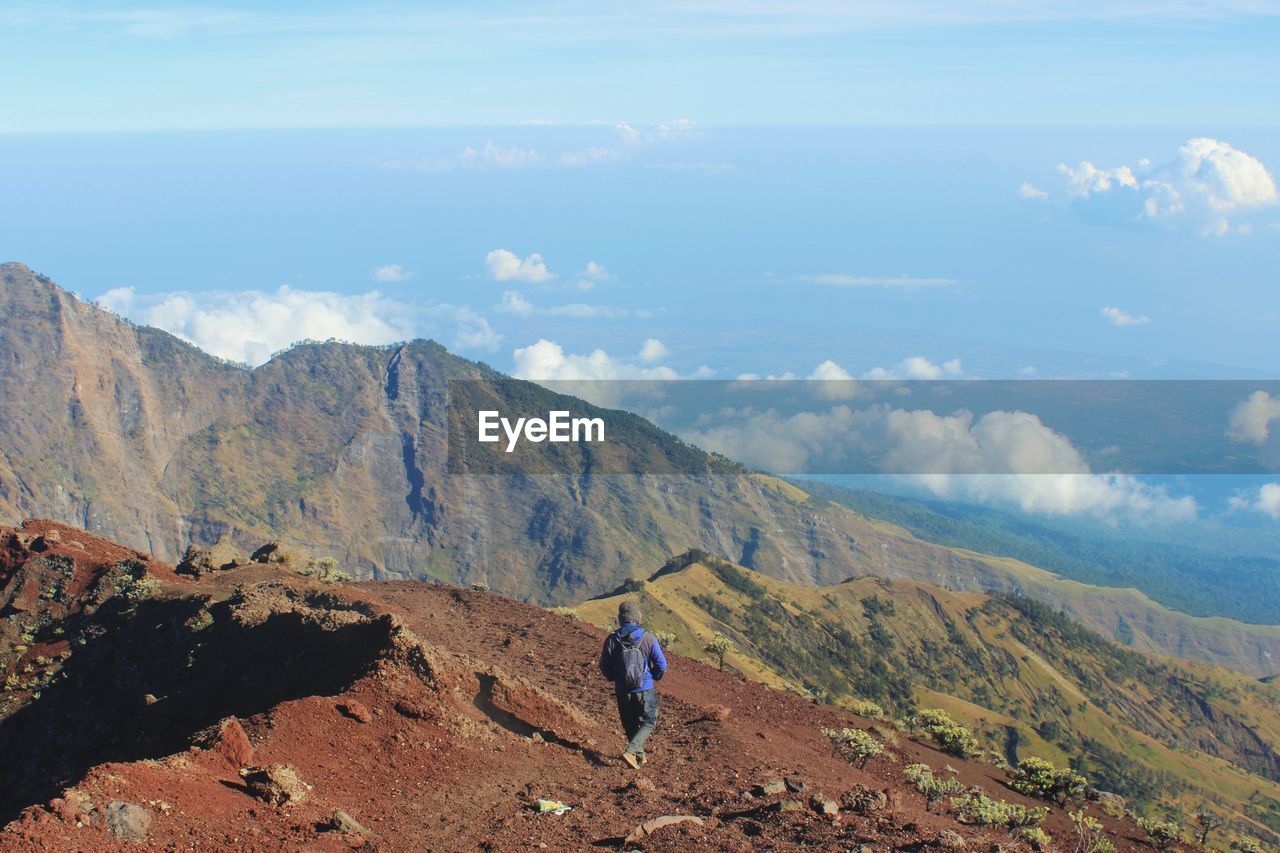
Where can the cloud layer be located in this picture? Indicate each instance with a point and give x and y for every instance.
(1000, 457)
(1209, 187)
(250, 326)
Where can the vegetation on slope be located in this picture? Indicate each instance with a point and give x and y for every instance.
(1027, 680)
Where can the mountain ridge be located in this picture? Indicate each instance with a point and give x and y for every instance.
(342, 450)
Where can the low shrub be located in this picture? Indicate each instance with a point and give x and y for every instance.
(1163, 834)
(1037, 777)
(983, 810)
(855, 745)
(950, 736)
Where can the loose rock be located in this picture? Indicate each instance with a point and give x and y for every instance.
(356, 711)
(278, 784)
(650, 826)
(128, 821)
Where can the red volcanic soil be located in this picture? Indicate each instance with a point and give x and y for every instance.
(424, 717)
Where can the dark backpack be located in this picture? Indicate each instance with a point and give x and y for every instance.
(631, 659)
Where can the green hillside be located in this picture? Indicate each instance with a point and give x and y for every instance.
(1028, 680)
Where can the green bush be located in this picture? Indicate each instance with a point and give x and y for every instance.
(325, 569)
(935, 790)
(855, 745)
(1036, 837)
(1037, 777)
(982, 810)
(719, 646)
(867, 708)
(1162, 833)
(1089, 837)
(950, 736)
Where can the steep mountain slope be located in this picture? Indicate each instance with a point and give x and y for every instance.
(254, 708)
(343, 450)
(1029, 680)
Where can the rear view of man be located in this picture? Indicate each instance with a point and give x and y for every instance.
(633, 661)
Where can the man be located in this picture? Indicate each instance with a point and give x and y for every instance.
(632, 659)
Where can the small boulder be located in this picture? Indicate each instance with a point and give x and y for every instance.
(356, 711)
(1113, 804)
(345, 823)
(233, 743)
(643, 784)
(864, 800)
(825, 806)
(796, 786)
(196, 561)
(127, 821)
(272, 552)
(788, 805)
(770, 788)
(719, 713)
(278, 784)
(949, 839)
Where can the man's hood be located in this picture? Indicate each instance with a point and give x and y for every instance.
(630, 630)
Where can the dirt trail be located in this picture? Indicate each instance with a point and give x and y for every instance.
(431, 717)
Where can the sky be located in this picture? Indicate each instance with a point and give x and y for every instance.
(921, 189)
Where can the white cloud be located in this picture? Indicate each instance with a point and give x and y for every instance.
(1208, 186)
(847, 280)
(1031, 192)
(390, 274)
(499, 156)
(1116, 317)
(830, 371)
(591, 275)
(1000, 457)
(547, 361)
(513, 303)
(1249, 422)
(502, 265)
(516, 304)
(249, 326)
(652, 350)
(918, 367)
(1265, 500)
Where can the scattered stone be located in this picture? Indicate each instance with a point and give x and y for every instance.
(278, 784)
(196, 562)
(789, 805)
(864, 800)
(536, 737)
(343, 822)
(233, 743)
(1113, 804)
(770, 788)
(642, 783)
(413, 709)
(949, 840)
(650, 826)
(796, 786)
(127, 821)
(719, 713)
(272, 552)
(356, 711)
(825, 806)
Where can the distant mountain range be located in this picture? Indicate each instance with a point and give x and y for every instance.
(342, 450)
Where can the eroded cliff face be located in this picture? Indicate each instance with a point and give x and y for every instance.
(133, 434)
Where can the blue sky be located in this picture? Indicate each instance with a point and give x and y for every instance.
(918, 189)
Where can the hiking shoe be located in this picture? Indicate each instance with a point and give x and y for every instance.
(631, 759)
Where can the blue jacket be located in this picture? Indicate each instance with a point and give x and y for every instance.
(609, 663)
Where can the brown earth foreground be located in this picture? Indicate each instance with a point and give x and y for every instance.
(254, 708)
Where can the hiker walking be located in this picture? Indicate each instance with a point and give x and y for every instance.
(633, 661)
